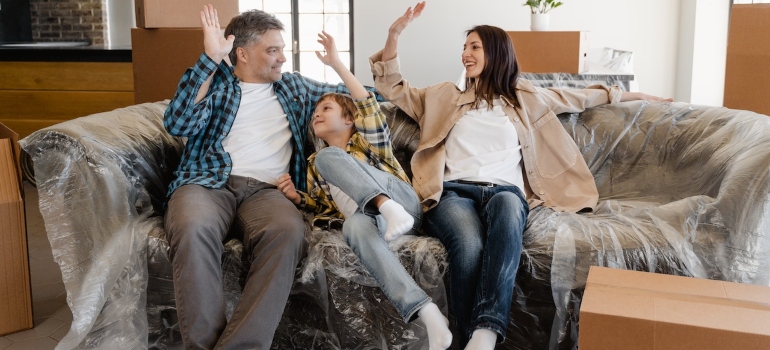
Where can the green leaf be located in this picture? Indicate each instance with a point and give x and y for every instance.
(542, 6)
(533, 5)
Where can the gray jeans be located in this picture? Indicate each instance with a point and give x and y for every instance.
(273, 234)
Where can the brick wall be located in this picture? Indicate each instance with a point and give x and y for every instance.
(69, 20)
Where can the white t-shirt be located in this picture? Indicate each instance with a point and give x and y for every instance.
(259, 141)
(484, 146)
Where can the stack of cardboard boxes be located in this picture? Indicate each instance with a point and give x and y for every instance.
(551, 52)
(633, 310)
(15, 294)
(747, 79)
(167, 41)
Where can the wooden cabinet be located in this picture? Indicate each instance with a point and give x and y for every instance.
(34, 95)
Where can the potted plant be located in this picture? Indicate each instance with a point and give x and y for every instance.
(539, 13)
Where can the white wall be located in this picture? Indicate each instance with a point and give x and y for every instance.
(430, 48)
(686, 50)
(703, 51)
(678, 47)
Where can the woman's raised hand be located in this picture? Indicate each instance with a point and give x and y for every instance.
(391, 44)
(402, 22)
(214, 43)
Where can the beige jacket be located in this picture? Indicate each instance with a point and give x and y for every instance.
(555, 173)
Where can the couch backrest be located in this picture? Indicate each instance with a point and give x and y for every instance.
(124, 147)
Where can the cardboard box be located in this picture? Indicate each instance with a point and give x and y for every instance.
(551, 52)
(180, 13)
(15, 293)
(633, 310)
(747, 79)
(160, 58)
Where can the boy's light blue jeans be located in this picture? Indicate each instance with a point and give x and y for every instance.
(362, 182)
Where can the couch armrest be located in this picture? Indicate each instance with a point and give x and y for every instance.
(684, 190)
(681, 158)
(100, 178)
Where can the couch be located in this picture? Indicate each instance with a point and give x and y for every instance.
(684, 190)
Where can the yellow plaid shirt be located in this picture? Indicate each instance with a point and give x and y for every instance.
(370, 144)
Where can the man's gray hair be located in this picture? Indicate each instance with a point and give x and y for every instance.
(248, 28)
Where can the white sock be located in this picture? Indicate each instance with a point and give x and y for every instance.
(399, 221)
(482, 339)
(439, 336)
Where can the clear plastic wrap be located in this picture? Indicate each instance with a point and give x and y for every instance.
(596, 75)
(684, 190)
(102, 182)
(573, 81)
(101, 179)
(337, 304)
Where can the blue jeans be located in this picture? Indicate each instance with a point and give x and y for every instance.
(481, 228)
(362, 182)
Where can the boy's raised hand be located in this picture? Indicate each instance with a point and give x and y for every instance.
(214, 43)
(286, 186)
(331, 58)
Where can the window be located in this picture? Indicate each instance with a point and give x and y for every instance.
(303, 20)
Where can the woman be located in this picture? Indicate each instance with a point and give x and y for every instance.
(487, 155)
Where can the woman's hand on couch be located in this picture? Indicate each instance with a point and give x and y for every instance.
(633, 96)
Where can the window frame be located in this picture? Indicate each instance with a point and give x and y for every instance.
(295, 36)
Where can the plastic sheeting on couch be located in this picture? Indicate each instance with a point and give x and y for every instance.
(684, 190)
(102, 181)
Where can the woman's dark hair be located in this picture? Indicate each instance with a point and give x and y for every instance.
(248, 28)
(501, 71)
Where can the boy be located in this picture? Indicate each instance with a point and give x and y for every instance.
(357, 177)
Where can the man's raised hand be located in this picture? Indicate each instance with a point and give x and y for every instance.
(214, 43)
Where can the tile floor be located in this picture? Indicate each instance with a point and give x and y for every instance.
(51, 315)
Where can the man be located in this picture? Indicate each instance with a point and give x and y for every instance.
(245, 124)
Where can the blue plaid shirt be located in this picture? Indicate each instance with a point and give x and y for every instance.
(206, 124)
